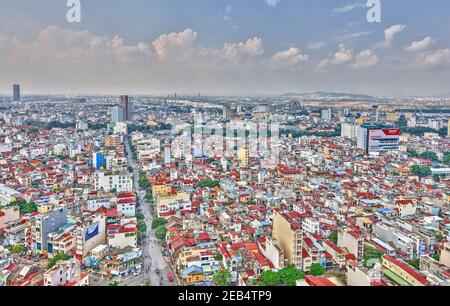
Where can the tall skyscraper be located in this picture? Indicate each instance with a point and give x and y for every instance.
(327, 115)
(127, 107)
(226, 113)
(117, 113)
(448, 132)
(16, 92)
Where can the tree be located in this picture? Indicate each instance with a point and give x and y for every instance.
(447, 158)
(415, 263)
(439, 237)
(113, 284)
(143, 181)
(290, 275)
(421, 171)
(222, 278)
(17, 249)
(316, 270)
(270, 278)
(334, 237)
(436, 257)
(430, 155)
(25, 207)
(147, 283)
(158, 222)
(371, 253)
(209, 184)
(58, 257)
(218, 257)
(161, 232)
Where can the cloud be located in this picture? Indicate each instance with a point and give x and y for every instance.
(235, 51)
(365, 59)
(391, 32)
(348, 8)
(435, 58)
(290, 58)
(168, 43)
(347, 56)
(423, 44)
(354, 35)
(272, 2)
(316, 45)
(343, 56)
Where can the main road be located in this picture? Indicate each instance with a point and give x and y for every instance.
(153, 259)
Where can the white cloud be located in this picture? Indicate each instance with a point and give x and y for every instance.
(347, 56)
(365, 59)
(316, 45)
(423, 44)
(169, 43)
(391, 32)
(252, 47)
(349, 7)
(290, 58)
(272, 2)
(343, 56)
(437, 57)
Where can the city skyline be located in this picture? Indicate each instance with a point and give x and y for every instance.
(225, 48)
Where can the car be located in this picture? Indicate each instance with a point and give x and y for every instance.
(157, 271)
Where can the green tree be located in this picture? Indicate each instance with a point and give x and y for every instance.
(334, 237)
(218, 257)
(316, 270)
(17, 249)
(113, 284)
(58, 257)
(161, 232)
(415, 263)
(143, 181)
(290, 275)
(421, 171)
(222, 278)
(447, 158)
(371, 253)
(436, 257)
(25, 207)
(158, 222)
(147, 283)
(270, 278)
(430, 155)
(209, 184)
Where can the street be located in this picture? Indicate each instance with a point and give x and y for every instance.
(153, 259)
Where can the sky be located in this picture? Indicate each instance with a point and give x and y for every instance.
(230, 47)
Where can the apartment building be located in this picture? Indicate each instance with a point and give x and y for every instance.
(289, 236)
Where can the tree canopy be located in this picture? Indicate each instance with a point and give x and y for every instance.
(222, 278)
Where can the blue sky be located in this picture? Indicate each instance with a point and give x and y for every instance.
(226, 46)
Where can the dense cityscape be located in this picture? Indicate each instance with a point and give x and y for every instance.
(224, 151)
(134, 191)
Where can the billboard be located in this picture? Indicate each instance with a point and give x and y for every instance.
(382, 140)
(91, 231)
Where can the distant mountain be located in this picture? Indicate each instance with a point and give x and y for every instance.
(330, 96)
